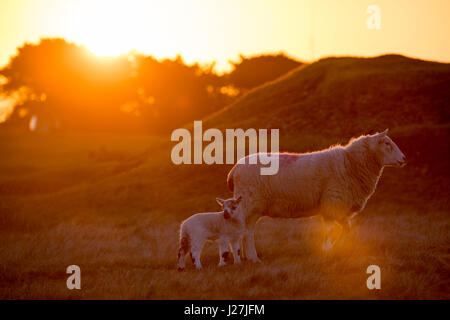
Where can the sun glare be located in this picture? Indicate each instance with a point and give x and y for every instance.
(162, 29)
(112, 28)
(105, 48)
(103, 28)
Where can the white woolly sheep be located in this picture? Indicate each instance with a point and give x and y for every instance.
(334, 183)
(226, 226)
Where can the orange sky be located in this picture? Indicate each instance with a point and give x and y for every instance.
(205, 30)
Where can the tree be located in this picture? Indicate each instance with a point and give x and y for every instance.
(64, 82)
(72, 85)
(173, 93)
(254, 71)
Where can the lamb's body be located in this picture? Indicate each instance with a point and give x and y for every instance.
(210, 226)
(334, 183)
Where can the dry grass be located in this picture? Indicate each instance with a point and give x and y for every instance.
(138, 261)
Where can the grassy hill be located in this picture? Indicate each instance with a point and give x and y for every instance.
(346, 96)
(112, 203)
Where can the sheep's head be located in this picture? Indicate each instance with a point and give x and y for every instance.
(386, 150)
(229, 206)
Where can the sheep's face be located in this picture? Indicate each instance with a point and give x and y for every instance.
(387, 151)
(229, 206)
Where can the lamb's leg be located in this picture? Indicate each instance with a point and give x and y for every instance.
(236, 246)
(183, 250)
(224, 251)
(196, 249)
(181, 257)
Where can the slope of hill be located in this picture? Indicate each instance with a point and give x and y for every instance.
(114, 203)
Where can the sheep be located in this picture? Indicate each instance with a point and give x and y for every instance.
(226, 226)
(334, 184)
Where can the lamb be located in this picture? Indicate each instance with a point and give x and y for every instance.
(334, 183)
(226, 226)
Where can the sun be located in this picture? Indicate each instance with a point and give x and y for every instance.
(106, 47)
(162, 29)
(109, 28)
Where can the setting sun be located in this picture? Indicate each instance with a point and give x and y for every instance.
(112, 28)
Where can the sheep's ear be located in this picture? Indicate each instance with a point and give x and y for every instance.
(220, 201)
(384, 133)
(238, 200)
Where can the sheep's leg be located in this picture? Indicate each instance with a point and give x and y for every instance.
(249, 242)
(224, 251)
(236, 250)
(338, 233)
(241, 243)
(344, 227)
(349, 222)
(331, 239)
(333, 215)
(252, 212)
(326, 240)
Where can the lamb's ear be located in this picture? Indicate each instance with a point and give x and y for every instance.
(220, 201)
(238, 200)
(379, 136)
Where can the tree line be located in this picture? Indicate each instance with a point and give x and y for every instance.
(68, 88)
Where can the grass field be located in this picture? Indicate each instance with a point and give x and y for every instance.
(112, 203)
(126, 247)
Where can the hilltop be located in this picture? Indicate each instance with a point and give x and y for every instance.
(346, 96)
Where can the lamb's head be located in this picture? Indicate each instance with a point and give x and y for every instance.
(386, 150)
(229, 206)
